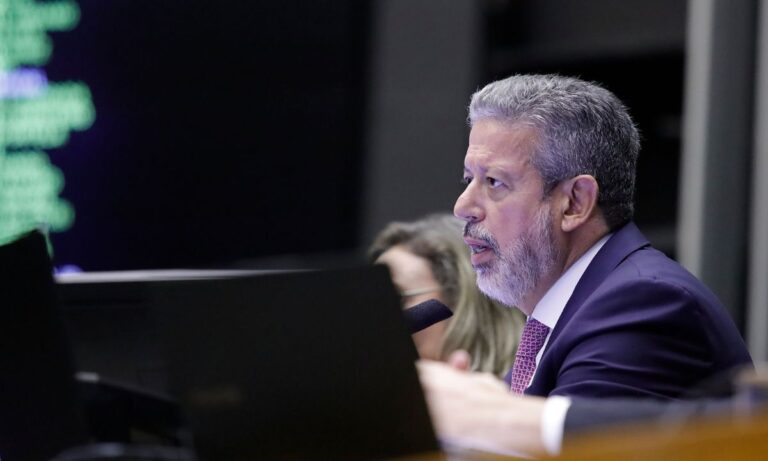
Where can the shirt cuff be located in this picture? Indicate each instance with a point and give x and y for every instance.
(552, 423)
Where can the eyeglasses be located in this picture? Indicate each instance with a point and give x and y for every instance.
(419, 291)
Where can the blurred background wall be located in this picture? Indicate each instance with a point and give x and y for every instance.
(187, 133)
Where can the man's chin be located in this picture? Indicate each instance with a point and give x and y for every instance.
(488, 284)
(490, 287)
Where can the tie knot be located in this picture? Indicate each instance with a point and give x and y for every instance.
(534, 334)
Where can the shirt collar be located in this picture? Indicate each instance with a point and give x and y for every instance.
(551, 305)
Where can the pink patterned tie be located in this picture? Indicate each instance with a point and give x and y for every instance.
(531, 341)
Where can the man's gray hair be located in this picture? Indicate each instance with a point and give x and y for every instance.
(584, 129)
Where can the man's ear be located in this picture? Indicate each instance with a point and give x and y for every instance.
(579, 201)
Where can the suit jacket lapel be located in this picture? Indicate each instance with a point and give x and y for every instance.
(624, 242)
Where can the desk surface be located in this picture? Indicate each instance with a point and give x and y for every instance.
(734, 439)
(707, 440)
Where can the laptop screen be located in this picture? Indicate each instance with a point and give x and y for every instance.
(300, 365)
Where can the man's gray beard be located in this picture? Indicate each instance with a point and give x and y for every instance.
(516, 272)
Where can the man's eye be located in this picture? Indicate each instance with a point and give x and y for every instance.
(466, 180)
(493, 182)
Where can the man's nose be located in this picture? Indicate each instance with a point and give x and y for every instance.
(466, 206)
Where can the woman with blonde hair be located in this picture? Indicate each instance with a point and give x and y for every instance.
(428, 259)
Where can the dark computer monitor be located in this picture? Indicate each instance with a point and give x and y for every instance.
(302, 365)
(292, 365)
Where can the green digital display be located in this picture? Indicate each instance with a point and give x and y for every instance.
(36, 115)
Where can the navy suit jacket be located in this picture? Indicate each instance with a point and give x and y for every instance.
(637, 325)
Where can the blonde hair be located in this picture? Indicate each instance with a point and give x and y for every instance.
(481, 326)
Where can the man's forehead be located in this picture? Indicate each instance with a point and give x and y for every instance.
(501, 145)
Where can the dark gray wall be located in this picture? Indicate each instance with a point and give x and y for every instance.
(424, 66)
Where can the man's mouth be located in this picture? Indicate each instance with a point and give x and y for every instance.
(476, 246)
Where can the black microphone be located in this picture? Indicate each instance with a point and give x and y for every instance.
(425, 314)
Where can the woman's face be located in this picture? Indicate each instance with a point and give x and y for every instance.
(413, 278)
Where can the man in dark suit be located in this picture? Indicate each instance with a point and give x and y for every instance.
(548, 205)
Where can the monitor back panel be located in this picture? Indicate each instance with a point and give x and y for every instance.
(303, 365)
